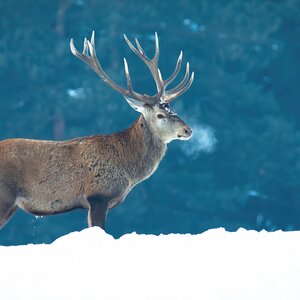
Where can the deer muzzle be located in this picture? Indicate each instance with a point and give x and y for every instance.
(185, 133)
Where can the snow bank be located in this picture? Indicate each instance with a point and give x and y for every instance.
(214, 265)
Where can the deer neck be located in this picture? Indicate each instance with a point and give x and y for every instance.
(144, 148)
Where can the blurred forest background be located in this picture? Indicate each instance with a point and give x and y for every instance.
(246, 56)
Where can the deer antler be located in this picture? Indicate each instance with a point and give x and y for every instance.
(89, 56)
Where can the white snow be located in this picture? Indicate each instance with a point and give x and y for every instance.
(214, 265)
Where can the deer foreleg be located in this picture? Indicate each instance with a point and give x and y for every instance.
(97, 211)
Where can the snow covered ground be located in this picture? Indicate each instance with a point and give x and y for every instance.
(214, 265)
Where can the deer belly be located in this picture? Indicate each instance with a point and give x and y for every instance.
(49, 206)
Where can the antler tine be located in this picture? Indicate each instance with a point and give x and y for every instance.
(128, 78)
(170, 97)
(93, 62)
(77, 53)
(156, 55)
(93, 38)
(152, 64)
(141, 50)
(140, 53)
(183, 82)
(85, 47)
(176, 70)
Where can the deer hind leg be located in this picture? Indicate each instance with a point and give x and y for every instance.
(97, 210)
(7, 206)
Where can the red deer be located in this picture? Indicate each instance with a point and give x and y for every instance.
(96, 172)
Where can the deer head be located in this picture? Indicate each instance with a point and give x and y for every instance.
(163, 121)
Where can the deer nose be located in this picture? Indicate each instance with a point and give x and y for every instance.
(187, 130)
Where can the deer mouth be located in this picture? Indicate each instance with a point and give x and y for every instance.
(184, 138)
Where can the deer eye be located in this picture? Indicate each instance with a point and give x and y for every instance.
(160, 116)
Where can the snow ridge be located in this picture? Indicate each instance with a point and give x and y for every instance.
(214, 265)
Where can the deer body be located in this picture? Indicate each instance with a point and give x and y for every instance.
(102, 166)
(95, 173)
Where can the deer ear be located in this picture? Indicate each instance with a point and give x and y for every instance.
(135, 104)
